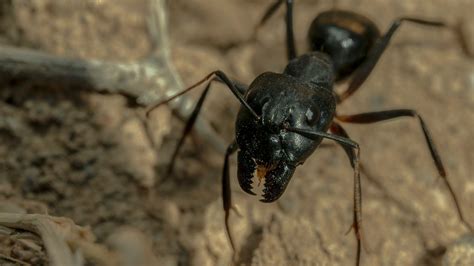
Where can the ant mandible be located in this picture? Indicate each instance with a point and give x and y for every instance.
(285, 116)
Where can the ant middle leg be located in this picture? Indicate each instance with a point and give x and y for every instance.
(373, 117)
(373, 56)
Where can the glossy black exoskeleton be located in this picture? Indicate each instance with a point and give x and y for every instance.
(345, 36)
(301, 97)
(284, 116)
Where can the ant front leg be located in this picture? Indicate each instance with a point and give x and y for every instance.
(353, 150)
(364, 70)
(187, 128)
(290, 38)
(236, 88)
(226, 192)
(192, 119)
(338, 130)
(353, 158)
(373, 117)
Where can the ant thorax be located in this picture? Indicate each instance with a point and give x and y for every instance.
(314, 68)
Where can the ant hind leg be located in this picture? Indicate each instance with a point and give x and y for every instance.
(373, 117)
(364, 70)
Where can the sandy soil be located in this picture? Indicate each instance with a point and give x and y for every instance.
(85, 156)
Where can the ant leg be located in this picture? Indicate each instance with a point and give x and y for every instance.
(368, 175)
(192, 119)
(236, 88)
(189, 125)
(364, 70)
(269, 13)
(353, 150)
(339, 130)
(224, 79)
(226, 192)
(290, 38)
(241, 88)
(373, 117)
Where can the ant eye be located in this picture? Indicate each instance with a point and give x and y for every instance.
(312, 115)
(261, 104)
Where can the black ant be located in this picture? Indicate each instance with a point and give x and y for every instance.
(284, 116)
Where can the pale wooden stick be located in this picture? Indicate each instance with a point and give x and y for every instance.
(147, 81)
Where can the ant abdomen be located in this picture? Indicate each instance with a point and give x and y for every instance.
(345, 36)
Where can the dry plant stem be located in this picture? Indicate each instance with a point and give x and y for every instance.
(58, 235)
(147, 81)
(161, 52)
(18, 262)
(46, 69)
(58, 252)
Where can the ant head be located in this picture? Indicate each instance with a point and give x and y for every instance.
(267, 150)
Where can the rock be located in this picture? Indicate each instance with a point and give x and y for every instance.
(461, 252)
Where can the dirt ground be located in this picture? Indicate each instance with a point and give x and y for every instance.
(85, 155)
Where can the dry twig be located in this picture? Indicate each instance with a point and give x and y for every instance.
(147, 81)
(65, 241)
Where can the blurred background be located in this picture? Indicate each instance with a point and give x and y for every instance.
(91, 157)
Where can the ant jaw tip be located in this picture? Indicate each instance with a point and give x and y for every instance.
(248, 189)
(266, 199)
